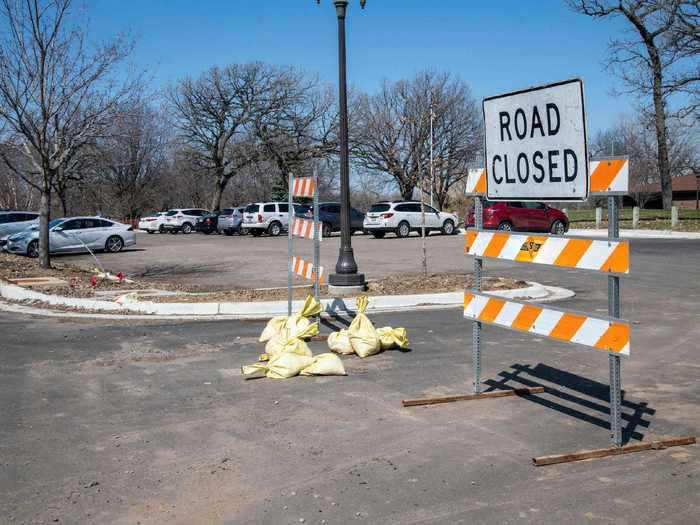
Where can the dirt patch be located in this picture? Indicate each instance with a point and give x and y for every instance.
(405, 284)
(79, 281)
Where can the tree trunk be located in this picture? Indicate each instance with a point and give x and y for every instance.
(662, 136)
(219, 187)
(406, 189)
(44, 219)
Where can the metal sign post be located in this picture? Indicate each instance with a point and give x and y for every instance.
(476, 286)
(614, 312)
(317, 241)
(290, 243)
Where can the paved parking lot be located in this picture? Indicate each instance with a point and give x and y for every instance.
(133, 422)
(218, 261)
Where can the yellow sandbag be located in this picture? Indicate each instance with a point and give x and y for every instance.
(281, 366)
(362, 334)
(325, 365)
(287, 364)
(297, 322)
(272, 328)
(393, 337)
(339, 342)
(288, 340)
(311, 307)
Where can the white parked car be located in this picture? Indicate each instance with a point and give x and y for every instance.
(182, 219)
(403, 217)
(268, 217)
(74, 234)
(17, 221)
(153, 223)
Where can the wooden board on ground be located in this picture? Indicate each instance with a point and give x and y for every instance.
(473, 397)
(38, 282)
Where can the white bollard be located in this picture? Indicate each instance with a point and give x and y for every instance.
(674, 216)
(635, 217)
(598, 217)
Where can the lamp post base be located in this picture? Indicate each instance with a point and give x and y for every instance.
(347, 280)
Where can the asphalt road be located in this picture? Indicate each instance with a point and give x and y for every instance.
(149, 422)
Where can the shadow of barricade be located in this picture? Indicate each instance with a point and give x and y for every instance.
(573, 389)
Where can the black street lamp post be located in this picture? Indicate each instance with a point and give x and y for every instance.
(346, 274)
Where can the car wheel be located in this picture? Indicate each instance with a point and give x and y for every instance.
(558, 227)
(114, 244)
(207, 232)
(228, 232)
(243, 231)
(505, 226)
(274, 229)
(161, 229)
(186, 228)
(403, 230)
(448, 227)
(150, 232)
(256, 233)
(378, 235)
(33, 249)
(327, 230)
(173, 232)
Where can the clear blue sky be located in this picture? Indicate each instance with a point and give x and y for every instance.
(496, 46)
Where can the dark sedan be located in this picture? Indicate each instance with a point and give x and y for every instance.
(329, 215)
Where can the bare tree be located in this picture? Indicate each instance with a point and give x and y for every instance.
(215, 111)
(300, 127)
(685, 39)
(55, 95)
(391, 131)
(649, 62)
(133, 158)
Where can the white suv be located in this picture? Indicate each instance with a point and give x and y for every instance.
(182, 219)
(153, 223)
(403, 217)
(268, 217)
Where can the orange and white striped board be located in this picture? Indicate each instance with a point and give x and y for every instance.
(476, 182)
(610, 335)
(585, 254)
(305, 228)
(303, 187)
(306, 270)
(609, 176)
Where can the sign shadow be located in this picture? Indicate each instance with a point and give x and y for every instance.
(592, 397)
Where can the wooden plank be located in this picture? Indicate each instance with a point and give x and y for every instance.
(473, 397)
(581, 455)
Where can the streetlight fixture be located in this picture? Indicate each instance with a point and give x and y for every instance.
(346, 275)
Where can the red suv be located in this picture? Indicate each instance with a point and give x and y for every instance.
(522, 216)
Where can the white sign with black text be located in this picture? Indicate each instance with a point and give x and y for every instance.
(536, 144)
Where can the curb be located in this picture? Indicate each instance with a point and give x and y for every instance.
(637, 234)
(265, 310)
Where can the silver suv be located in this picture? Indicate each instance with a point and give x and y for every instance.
(403, 217)
(268, 217)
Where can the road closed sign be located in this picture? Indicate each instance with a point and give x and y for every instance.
(536, 144)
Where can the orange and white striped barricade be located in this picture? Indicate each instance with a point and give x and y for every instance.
(476, 182)
(305, 228)
(305, 270)
(610, 335)
(566, 252)
(305, 187)
(609, 176)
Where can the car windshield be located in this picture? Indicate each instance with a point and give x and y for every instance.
(227, 211)
(379, 207)
(55, 222)
(171, 213)
(252, 208)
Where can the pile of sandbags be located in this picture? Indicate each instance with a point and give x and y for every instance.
(286, 352)
(363, 339)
